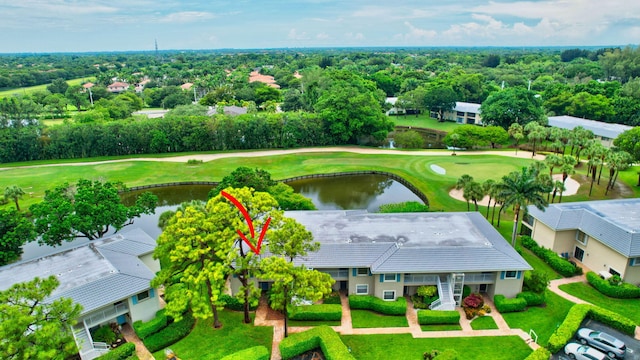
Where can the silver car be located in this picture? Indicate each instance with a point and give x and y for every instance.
(584, 352)
(603, 341)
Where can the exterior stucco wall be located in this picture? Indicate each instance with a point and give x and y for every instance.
(396, 286)
(599, 257)
(632, 275)
(559, 242)
(359, 280)
(507, 287)
(150, 262)
(146, 309)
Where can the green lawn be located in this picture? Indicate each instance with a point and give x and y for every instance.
(386, 347)
(205, 342)
(442, 327)
(415, 169)
(483, 323)
(31, 89)
(293, 323)
(543, 320)
(626, 307)
(423, 121)
(369, 319)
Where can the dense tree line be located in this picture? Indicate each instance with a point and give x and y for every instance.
(172, 134)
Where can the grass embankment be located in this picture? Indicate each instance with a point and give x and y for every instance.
(626, 307)
(205, 342)
(370, 319)
(484, 323)
(403, 346)
(415, 169)
(32, 89)
(423, 121)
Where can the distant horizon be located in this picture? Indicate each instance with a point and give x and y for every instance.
(70, 26)
(322, 48)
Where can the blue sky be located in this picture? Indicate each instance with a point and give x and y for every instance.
(120, 25)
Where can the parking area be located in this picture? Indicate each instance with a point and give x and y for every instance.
(633, 345)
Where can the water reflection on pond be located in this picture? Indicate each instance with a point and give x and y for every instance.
(353, 192)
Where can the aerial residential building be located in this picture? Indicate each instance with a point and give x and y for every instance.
(605, 132)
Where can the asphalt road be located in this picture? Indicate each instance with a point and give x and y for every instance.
(633, 345)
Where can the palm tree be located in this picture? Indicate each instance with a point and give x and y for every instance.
(14, 193)
(593, 163)
(454, 141)
(616, 161)
(520, 189)
(557, 186)
(517, 133)
(489, 189)
(462, 182)
(473, 191)
(552, 161)
(535, 133)
(567, 168)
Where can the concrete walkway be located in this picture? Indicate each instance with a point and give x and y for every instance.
(141, 350)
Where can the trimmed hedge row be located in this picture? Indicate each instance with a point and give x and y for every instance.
(576, 315)
(233, 303)
(254, 353)
(532, 299)
(170, 334)
(559, 264)
(539, 354)
(332, 299)
(433, 317)
(622, 291)
(322, 336)
(321, 312)
(144, 330)
(505, 305)
(122, 352)
(368, 302)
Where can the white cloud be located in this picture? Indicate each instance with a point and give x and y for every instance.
(415, 34)
(186, 17)
(322, 36)
(354, 36)
(294, 35)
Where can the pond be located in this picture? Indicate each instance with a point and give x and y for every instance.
(367, 191)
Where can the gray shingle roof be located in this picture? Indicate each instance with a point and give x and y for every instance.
(467, 107)
(615, 223)
(599, 128)
(94, 275)
(407, 242)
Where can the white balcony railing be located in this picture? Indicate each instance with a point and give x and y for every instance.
(101, 316)
(423, 279)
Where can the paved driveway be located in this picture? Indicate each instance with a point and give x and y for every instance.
(633, 345)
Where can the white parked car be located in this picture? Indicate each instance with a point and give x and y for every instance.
(584, 352)
(603, 341)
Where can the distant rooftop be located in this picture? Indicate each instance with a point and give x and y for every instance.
(599, 128)
(467, 107)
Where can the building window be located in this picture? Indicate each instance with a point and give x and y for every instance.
(389, 295)
(634, 261)
(389, 278)
(143, 296)
(510, 274)
(528, 219)
(581, 237)
(613, 272)
(363, 272)
(578, 253)
(362, 289)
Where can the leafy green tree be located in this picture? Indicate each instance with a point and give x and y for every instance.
(77, 96)
(407, 206)
(536, 281)
(288, 199)
(192, 244)
(629, 141)
(33, 327)
(290, 281)
(56, 104)
(15, 231)
(87, 209)
(440, 99)
(516, 131)
(58, 86)
(409, 139)
(14, 193)
(519, 189)
(511, 105)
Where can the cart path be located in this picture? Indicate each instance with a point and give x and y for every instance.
(261, 153)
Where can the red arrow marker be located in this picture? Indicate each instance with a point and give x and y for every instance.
(245, 213)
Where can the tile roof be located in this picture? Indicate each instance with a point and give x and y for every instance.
(615, 223)
(93, 275)
(599, 128)
(407, 242)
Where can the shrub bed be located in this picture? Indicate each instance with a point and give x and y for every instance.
(539, 354)
(144, 330)
(505, 305)
(532, 299)
(322, 336)
(233, 303)
(368, 302)
(621, 291)
(170, 334)
(332, 299)
(323, 312)
(436, 317)
(559, 264)
(120, 353)
(254, 353)
(576, 315)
